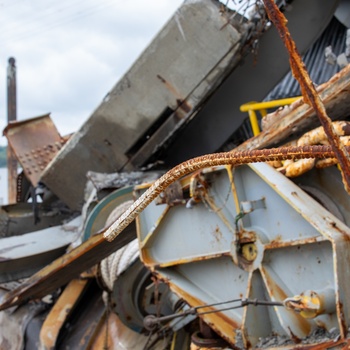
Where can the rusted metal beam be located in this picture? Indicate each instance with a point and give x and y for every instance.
(18, 219)
(11, 117)
(22, 256)
(67, 267)
(60, 312)
(308, 89)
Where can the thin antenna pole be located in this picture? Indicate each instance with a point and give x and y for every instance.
(11, 117)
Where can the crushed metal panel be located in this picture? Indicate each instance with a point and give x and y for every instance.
(18, 219)
(67, 267)
(101, 181)
(21, 256)
(14, 322)
(173, 75)
(35, 143)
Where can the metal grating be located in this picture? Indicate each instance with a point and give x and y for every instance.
(320, 71)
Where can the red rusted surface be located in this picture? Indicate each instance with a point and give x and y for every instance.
(308, 89)
(35, 143)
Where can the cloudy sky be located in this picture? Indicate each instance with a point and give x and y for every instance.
(70, 53)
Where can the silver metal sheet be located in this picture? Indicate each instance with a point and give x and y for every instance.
(21, 256)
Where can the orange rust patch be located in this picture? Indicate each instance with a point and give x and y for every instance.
(280, 295)
(217, 234)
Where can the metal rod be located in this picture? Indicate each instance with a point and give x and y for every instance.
(11, 117)
(257, 106)
(151, 321)
(210, 160)
(308, 90)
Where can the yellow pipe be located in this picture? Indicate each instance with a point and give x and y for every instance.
(263, 112)
(254, 122)
(268, 104)
(251, 107)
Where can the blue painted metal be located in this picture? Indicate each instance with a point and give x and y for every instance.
(218, 251)
(98, 216)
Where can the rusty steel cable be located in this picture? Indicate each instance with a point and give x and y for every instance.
(308, 90)
(151, 322)
(210, 160)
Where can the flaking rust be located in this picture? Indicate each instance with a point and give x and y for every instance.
(308, 90)
(209, 160)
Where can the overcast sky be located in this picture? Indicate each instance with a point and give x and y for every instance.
(70, 53)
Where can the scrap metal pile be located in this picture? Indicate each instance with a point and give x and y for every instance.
(231, 250)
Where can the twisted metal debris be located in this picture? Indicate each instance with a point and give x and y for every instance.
(308, 90)
(210, 160)
(336, 150)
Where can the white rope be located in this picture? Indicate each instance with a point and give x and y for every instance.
(116, 263)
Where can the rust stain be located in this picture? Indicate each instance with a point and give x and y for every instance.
(276, 291)
(90, 333)
(279, 294)
(217, 234)
(184, 105)
(171, 88)
(294, 338)
(147, 260)
(308, 89)
(278, 239)
(181, 102)
(246, 236)
(341, 317)
(280, 244)
(345, 235)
